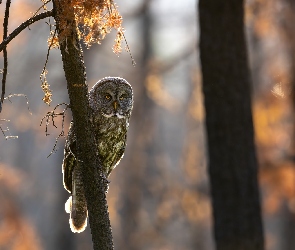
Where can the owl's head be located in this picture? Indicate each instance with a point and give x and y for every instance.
(112, 97)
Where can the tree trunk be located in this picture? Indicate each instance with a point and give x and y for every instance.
(289, 33)
(230, 136)
(94, 184)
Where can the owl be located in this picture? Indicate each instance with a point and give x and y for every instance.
(111, 103)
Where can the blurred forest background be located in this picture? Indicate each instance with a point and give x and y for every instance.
(159, 196)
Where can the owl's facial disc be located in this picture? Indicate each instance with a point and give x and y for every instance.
(115, 100)
(113, 108)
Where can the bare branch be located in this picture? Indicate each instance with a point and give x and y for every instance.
(42, 6)
(7, 39)
(129, 51)
(6, 17)
(18, 95)
(92, 178)
(25, 25)
(5, 31)
(4, 72)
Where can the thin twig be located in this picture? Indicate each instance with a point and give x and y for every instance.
(5, 31)
(50, 117)
(129, 51)
(43, 79)
(42, 6)
(25, 25)
(4, 72)
(7, 137)
(47, 56)
(23, 95)
(7, 129)
(127, 45)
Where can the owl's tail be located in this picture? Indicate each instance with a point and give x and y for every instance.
(76, 205)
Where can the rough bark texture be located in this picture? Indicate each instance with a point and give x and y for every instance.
(288, 240)
(230, 136)
(94, 184)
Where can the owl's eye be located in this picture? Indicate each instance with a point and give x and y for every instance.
(107, 97)
(122, 97)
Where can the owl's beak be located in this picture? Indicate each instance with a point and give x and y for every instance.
(115, 105)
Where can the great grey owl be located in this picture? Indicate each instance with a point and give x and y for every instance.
(111, 102)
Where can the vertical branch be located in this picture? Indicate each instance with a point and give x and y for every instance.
(5, 31)
(93, 181)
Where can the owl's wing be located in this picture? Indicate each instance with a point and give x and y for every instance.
(69, 161)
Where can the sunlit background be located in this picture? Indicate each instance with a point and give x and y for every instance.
(159, 195)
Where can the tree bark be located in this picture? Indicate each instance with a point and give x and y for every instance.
(230, 135)
(94, 183)
(288, 30)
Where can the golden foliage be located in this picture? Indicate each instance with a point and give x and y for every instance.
(94, 18)
(45, 88)
(53, 40)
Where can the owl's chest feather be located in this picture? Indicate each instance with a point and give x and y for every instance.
(111, 142)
